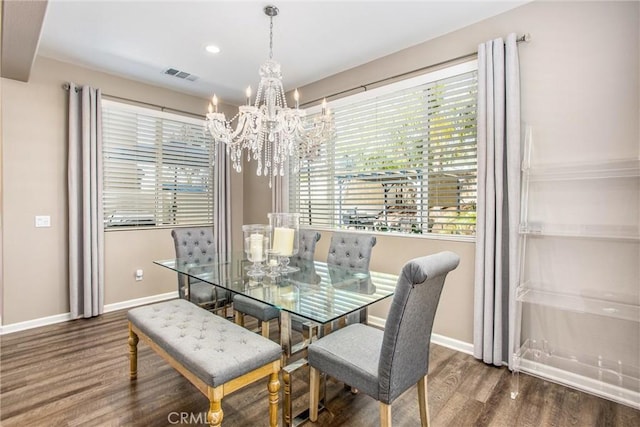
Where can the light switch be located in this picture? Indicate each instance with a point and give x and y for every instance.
(43, 221)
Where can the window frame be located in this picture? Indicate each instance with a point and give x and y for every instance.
(160, 164)
(368, 94)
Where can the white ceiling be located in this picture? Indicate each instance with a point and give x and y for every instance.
(312, 39)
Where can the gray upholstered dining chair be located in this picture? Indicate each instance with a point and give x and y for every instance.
(384, 364)
(196, 245)
(351, 251)
(243, 305)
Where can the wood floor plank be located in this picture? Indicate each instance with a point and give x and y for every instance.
(77, 374)
(479, 382)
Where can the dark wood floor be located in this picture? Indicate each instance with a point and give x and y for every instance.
(76, 374)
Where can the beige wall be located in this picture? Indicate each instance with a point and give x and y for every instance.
(580, 93)
(1, 197)
(34, 175)
(257, 195)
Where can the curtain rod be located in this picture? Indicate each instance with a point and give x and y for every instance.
(66, 86)
(523, 38)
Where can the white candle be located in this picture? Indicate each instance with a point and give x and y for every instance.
(255, 247)
(283, 240)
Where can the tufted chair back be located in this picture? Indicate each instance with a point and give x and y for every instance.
(351, 250)
(196, 245)
(304, 259)
(307, 244)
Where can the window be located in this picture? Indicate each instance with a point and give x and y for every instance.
(404, 159)
(157, 168)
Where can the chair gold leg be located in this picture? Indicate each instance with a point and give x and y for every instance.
(264, 326)
(239, 318)
(423, 402)
(385, 415)
(314, 393)
(133, 354)
(215, 414)
(274, 388)
(342, 322)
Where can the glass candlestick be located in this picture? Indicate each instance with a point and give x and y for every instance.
(256, 242)
(273, 262)
(285, 227)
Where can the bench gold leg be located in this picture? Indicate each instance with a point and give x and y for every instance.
(286, 407)
(274, 388)
(238, 317)
(215, 414)
(133, 354)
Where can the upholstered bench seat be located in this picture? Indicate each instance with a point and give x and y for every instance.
(215, 354)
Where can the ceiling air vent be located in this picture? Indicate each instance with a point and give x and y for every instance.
(180, 74)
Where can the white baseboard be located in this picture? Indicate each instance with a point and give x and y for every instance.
(139, 301)
(64, 317)
(35, 323)
(451, 343)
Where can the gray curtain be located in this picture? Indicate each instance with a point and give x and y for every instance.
(222, 201)
(86, 227)
(498, 209)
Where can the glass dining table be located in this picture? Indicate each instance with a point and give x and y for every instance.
(316, 297)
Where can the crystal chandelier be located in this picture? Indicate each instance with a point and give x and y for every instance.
(269, 130)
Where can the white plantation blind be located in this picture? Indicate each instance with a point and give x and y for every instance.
(404, 159)
(157, 168)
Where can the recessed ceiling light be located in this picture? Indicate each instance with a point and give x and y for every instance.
(213, 49)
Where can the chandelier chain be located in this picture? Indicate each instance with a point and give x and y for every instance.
(271, 37)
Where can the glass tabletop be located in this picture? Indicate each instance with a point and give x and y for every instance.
(317, 291)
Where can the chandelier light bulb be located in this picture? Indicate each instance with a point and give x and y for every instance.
(248, 93)
(296, 97)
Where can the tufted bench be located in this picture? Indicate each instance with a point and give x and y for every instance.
(216, 355)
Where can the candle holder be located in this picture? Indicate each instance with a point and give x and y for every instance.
(256, 243)
(285, 228)
(273, 262)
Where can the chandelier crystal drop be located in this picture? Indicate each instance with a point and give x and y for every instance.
(269, 130)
